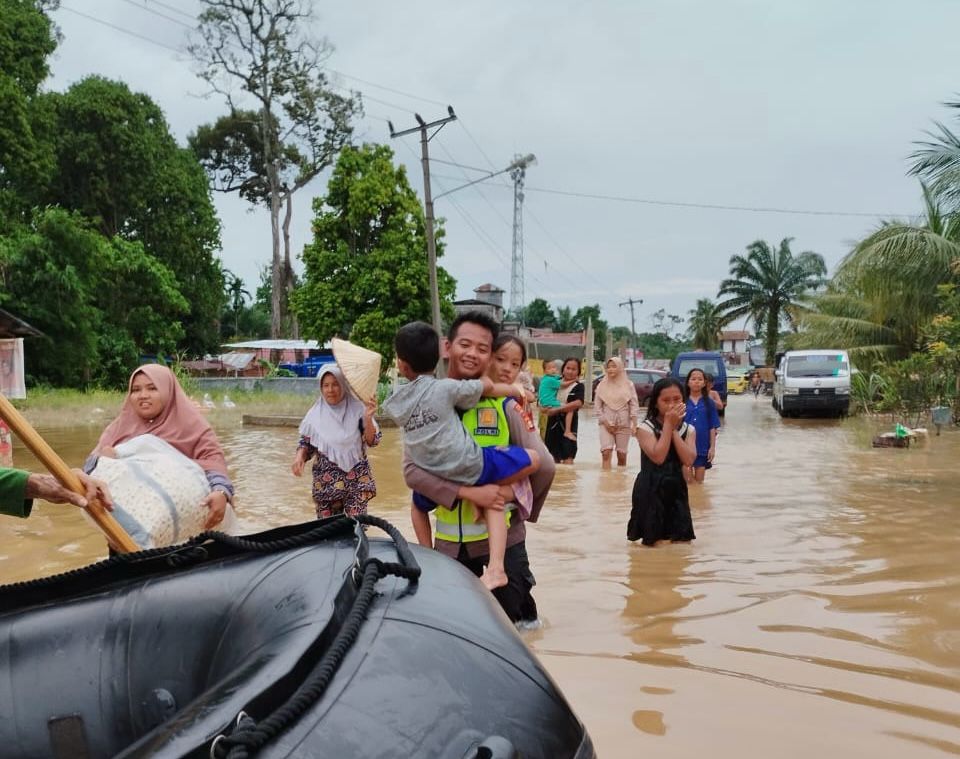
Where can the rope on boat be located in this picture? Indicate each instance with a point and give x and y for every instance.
(193, 551)
(249, 736)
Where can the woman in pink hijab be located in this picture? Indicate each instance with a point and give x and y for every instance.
(616, 409)
(157, 405)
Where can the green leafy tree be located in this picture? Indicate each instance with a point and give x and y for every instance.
(103, 301)
(591, 315)
(705, 324)
(667, 324)
(259, 50)
(27, 38)
(118, 165)
(657, 345)
(768, 284)
(884, 292)
(538, 314)
(366, 270)
(236, 298)
(566, 320)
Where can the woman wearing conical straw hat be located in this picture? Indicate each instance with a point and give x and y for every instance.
(336, 433)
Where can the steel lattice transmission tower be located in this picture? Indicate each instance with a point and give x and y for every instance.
(518, 171)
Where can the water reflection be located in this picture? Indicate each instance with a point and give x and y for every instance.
(817, 611)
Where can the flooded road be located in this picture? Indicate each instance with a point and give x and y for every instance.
(817, 613)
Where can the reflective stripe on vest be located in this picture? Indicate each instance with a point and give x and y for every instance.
(487, 424)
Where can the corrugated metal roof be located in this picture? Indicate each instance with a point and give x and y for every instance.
(278, 345)
(11, 326)
(237, 361)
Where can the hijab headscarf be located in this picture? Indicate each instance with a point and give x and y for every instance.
(180, 423)
(564, 390)
(616, 393)
(334, 429)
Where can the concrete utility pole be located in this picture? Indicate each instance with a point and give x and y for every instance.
(633, 329)
(517, 173)
(588, 385)
(428, 203)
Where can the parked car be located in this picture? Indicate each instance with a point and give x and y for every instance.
(737, 383)
(643, 380)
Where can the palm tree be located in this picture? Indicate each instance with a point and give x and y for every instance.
(768, 286)
(705, 324)
(885, 291)
(566, 320)
(237, 294)
(937, 161)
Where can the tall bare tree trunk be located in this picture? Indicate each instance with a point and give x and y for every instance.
(276, 270)
(288, 268)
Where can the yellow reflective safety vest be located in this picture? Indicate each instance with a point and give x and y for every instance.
(487, 424)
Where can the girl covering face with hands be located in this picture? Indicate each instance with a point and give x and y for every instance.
(661, 509)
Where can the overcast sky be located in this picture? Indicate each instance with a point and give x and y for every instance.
(807, 106)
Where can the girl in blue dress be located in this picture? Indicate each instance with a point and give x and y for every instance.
(703, 417)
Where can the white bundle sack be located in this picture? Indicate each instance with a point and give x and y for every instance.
(157, 492)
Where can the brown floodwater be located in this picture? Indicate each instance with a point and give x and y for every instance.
(816, 614)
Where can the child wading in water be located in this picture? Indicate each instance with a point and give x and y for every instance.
(661, 510)
(437, 442)
(712, 394)
(703, 417)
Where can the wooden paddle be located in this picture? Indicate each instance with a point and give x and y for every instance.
(117, 537)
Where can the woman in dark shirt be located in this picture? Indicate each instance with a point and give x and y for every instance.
(563, 447)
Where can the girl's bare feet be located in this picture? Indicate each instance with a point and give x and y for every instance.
(570, 436)
(493, 578)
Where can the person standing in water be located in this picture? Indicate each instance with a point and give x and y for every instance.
(336, 431)
(617, 409)
(660, 506)
(703, 417)
(435, 440)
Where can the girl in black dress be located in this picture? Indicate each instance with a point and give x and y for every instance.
(661, 510)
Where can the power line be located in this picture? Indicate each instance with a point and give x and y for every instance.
(387, 89)
(120, 29)
(498, 213)
(371, 98)
(477, 144)
(173, 9)
(158, 13)
(546, 190)
(481, 234)
(708, 206)
(462, 166)
(562, 250)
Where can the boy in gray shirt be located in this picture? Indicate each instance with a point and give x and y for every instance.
(437, 442)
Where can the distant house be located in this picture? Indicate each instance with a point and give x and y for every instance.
(734, 345)
(12, 331)
(233, 364)
(488, 300)
(549, 346)
(282, 351)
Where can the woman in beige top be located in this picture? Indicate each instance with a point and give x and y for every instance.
(617, 410)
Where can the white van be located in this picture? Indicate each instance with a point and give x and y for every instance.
(814, 380)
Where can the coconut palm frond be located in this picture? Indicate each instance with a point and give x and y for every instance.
(845, 331)
(767, 285)
(898, 255)
(937, 160)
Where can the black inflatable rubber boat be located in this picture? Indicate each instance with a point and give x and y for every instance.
(305, 641)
